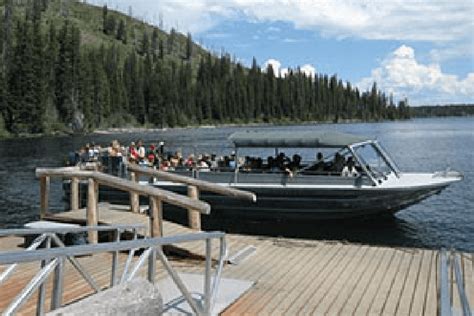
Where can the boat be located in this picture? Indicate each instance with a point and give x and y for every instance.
(375, 187)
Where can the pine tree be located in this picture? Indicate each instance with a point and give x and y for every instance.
(122, 32)
(189, 47)
(105, 12)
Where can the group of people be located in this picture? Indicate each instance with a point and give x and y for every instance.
(154, 155)
(90, 152)
(339, 165)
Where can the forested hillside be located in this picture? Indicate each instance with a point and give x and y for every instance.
(69, 66)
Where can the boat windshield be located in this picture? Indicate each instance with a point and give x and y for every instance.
(373, 160)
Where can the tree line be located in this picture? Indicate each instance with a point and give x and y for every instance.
(443, 110)
(52, 79)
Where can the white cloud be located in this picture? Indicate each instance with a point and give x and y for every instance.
(308, 69)
(401, 74)
(276, 65)
(423, 20)
(280, 71)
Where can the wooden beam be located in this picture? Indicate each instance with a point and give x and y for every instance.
(74, 194)
(44, 195)
(92, 219)
(200, 184)
(194, 217)
(156, 217)
(134, 198)
(130, 186)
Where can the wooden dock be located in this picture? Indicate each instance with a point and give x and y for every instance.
(292, 276)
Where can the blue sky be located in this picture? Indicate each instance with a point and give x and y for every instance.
(422, 50)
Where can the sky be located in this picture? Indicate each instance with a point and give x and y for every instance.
(419, 49)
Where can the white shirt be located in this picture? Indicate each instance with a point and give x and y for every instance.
(349, 173)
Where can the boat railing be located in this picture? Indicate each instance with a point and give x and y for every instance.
(194, 186)
(53, 262)
(449, 262)
(94, 179)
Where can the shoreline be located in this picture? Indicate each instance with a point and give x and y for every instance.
(142, 129)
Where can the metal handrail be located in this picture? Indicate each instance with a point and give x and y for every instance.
(202, 185)
(449, 261)
(48, 234)
(66, 230)
(52, 259)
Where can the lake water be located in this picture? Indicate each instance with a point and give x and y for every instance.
(445, 220)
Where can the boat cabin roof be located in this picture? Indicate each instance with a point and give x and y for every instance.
(294, 139)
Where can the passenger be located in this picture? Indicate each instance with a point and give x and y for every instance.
(338, 163)
(161, 148)
(271, 164)
(232, 161)
(114, 149)
(214, 162)
(319, 166)
(203, 166)
(190, 161)
(292, 168)
(140, 150)
(96, 150)
(350, 169)
(132, 153)
(90, 152)
(174, 160)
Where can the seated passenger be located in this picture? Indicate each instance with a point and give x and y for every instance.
(203, 166)
(350, 170)
(293, 167)
(338, 163)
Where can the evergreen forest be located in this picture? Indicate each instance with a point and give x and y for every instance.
(67, 66)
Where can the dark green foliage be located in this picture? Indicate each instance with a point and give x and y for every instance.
(93, 68)
(443, 110)
(122, 32)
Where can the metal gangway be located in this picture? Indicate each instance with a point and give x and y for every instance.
(450, 267)
(51, 253)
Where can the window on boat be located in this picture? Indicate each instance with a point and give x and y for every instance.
(372, 160)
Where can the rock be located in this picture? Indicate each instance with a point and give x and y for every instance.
(137, 297)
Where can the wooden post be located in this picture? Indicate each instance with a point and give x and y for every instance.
(194, 217)
(156, 217)
(134, 198)
(74, 194)
(92, 219)
(44, 196)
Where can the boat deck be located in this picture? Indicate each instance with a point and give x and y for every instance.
(292, 276)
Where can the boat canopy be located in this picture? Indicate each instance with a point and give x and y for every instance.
(297, 139)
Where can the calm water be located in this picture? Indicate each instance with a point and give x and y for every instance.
(445, 220)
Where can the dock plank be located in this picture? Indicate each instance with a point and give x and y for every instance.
(352, 255)
(409, 288)
(343, 282)
(358, 282)
(384, 285)
(431, 302)
(396, 290)
(422, 285)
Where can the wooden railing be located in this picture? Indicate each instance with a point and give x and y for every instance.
(95, 178)
(194, 186)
